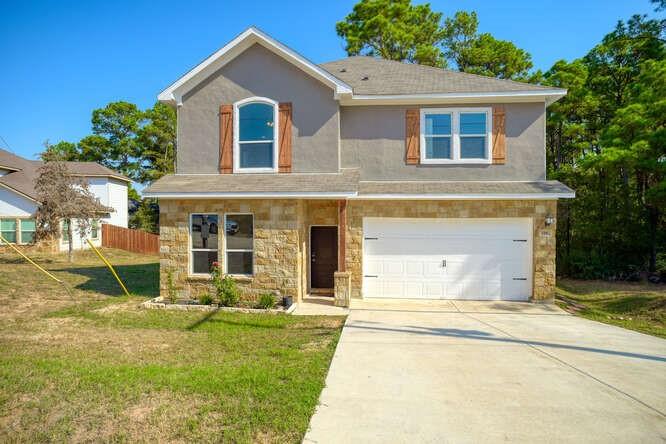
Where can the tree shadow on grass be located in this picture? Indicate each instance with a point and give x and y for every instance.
(140, 279)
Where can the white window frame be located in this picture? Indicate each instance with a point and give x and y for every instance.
(237, 250)
(17, 229)
(276, 151)
(21, 230)
(191, 249)
(455, 135)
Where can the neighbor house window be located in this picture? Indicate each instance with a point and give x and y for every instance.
(94, 229)
(28, 228)
(65, 231)
(8, 229)
(203, 235)
(455, 135)
(255, 144)
(239, 243)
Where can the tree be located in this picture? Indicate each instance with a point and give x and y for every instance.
(482, 53)
(603, 141)
(635, 141)
(398, 30)
(157, 143)
(393, 30)
(63, 197)
(115, 129)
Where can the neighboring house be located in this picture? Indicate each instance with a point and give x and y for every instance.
(379, 178)
(19, 201)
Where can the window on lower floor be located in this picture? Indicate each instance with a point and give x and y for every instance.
(239, 245)
(28, 228)
(65, 231)
(8, 229)
(203, 242)
(94, 229)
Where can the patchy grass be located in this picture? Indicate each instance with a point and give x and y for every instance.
(95, 367)
(636, 306)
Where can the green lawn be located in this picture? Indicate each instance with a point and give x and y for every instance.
(636, 306)
(98, 368)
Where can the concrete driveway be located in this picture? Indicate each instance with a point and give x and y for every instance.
(489, 372)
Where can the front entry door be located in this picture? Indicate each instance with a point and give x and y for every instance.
(323, 256)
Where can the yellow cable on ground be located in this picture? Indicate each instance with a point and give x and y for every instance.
(13, 247)
(29, 260)
(108, 264)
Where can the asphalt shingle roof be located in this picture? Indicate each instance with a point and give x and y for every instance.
(387, 77)
(347, 181)
(462, 187)
(343, 182)
(23, 180)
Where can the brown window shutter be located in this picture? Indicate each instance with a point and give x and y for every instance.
(499, 135)
(226, 139)
(412, 136)
(284, 138)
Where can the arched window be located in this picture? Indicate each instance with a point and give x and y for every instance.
(255, 145)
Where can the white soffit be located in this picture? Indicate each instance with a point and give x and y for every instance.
(174, 93)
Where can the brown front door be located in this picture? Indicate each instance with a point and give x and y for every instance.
(323, 256)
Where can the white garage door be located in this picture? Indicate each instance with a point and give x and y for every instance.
(479, 259)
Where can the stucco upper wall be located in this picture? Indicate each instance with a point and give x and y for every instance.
(259, 72)
(373, 139)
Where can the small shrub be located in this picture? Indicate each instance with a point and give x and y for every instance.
(205, 299)
(225, 287)
(266, 301)
(171, 287)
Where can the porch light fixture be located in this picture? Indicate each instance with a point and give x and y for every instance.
(550, 220)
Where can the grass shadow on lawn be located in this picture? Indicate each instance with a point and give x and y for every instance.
(140, 279)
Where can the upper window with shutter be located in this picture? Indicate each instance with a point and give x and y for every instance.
(255, 135)
(456, 135)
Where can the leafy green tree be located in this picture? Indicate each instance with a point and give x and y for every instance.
(615, 63)
(157, 143)
(393, 30)
(482, 53)
(115, 137)
(146, 216)
(602, 139)
(635, 143)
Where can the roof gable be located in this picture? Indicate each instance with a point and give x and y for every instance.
(173, 93)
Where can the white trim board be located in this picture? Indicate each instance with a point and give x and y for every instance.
(547, 95)
(250, 195)
(174, 93)
(356, 196)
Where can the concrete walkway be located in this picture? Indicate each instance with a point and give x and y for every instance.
(489, 372)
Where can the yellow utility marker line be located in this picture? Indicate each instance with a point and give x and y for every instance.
(13, 247)
(108, 264)
(29, 260)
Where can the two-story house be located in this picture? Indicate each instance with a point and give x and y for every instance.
(19, 201)
(373, 177)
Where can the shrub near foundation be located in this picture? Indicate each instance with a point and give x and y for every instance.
(266, 301)
(226, 289)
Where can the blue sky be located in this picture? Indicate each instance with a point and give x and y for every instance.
(60, 60)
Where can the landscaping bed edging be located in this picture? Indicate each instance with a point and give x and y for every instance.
(159, 304)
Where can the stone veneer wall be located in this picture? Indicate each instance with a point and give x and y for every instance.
(543, 240)
(281, 248)
(278, 244)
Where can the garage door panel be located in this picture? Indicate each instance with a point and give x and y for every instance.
(414, 268)
(447, 258)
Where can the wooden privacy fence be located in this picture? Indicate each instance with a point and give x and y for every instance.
(128, 239)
